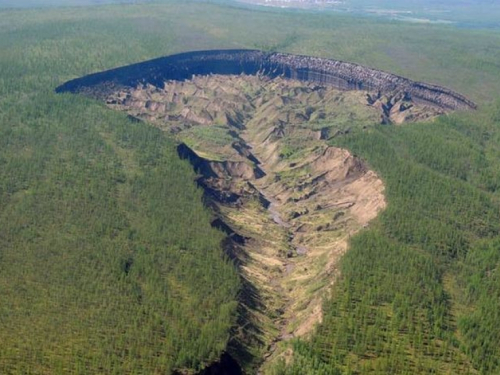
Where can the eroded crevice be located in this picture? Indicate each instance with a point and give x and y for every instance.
(287, 201)
(226, 365)
(290, 223)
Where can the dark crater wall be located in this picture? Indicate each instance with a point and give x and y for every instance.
(342, 75)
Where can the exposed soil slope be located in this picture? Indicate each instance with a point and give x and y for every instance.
(287, 200)
(339, 74)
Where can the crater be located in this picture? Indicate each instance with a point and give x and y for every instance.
(339, 74)
(256, 128)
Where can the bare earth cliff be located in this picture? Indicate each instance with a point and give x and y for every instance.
(339, 74)
(255, 127)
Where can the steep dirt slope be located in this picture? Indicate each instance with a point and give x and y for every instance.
(339, 74)
(287, 200)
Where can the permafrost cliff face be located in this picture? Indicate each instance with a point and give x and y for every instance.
(341, 75)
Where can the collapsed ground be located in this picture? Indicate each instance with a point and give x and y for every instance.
(287, 200)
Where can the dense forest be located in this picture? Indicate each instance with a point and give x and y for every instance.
(108, 262)
(107, 252)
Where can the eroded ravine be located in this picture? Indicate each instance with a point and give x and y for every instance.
(287, 200)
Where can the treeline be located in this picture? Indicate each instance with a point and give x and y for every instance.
(419, 291)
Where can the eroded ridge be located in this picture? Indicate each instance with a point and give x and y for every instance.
(287, 200)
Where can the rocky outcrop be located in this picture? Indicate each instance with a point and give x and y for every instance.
(342, 75)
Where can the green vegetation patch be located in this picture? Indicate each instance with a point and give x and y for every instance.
(214, 140)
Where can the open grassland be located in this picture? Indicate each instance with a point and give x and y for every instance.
(463, 13)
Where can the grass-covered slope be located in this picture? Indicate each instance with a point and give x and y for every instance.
(419, 292)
